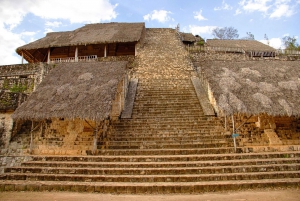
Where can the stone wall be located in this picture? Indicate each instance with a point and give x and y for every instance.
(9, 101)
(264, 130)
(59, 136)
(16, 83)
(231, 56)
(119, 102)
(11, 161)
(26, 76)
(6, 126)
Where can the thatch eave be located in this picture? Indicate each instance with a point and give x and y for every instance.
(100, 33)
(246, 45)
(74, 91)
(254, 87)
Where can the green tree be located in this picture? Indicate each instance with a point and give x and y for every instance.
(267, 39)
(249, 36)
(225, 33)
(290, 43)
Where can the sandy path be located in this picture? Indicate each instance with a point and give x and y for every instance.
(250, 195)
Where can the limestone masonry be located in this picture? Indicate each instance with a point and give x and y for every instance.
(121, 108)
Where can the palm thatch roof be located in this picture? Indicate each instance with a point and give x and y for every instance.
(188, 37)
(74, 90)
(254, 87)
(246, 45)
(101, 33)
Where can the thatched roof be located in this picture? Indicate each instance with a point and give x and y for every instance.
(89, 34)
(246, 45)
(255, 87)
(74, 90)
(189, 37)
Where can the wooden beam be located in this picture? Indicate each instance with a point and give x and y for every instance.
(48, 58)
(76, 54)
(29, 55)
(22, 58)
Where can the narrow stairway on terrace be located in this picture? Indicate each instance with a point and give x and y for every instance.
(167, 113)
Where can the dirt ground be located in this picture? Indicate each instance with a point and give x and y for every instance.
(249, 195)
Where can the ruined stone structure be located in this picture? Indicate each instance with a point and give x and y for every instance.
(140, 110)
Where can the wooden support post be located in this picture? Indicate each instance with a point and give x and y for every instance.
(31, 138)
(233, 129)
(76, 54)
(22, 58)
(105, 51)
(95, 138)
(225, 123)
(48, 58)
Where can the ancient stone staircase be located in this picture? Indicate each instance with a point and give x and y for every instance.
(169, 145)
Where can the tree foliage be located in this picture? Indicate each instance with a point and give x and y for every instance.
(249, 36)
(225, 33)
(267, 39)
(290, 43)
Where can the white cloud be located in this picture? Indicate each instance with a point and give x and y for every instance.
(75, 11)
(194, 29)
(237, 12)
(9, 42)
(282, 10)
(274, 42)
(198, 16)
(53, 24)
(270, 8)
(89, 11)
(12, 13)
(159, 15)
(224, 6)
(47, 30)
(255, 5)
(28, 33)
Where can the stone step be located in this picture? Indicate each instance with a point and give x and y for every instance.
(144, 187)
(181, 116)
(164, 113)
(140, 128)
(165, 142)
(167, 134)
(164, 164)
(184, 126)
(168, 111)
(168, 103)
(173, 158)
(149, 145)
(168, 122)
(156, 170)
(127, 135)
(194, 119)
(154, 95)
(181, 151)
(98, 175)
(168, 139)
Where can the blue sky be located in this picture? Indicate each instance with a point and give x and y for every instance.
(24, 21)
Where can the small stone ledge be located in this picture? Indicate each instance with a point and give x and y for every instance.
(129, 101)
(10, 161)
(202, 97)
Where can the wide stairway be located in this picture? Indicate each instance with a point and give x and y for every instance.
(168, 146)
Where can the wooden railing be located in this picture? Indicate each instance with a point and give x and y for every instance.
(74, 59)
(214, 48)
(288, 52)
(240, 50)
